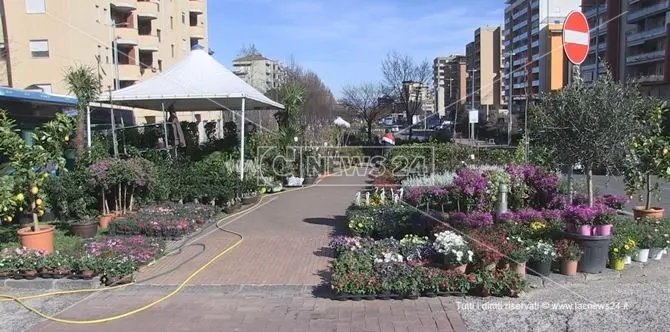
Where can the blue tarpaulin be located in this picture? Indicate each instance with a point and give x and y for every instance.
(35, 96)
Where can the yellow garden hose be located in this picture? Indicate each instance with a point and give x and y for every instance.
(20, 300)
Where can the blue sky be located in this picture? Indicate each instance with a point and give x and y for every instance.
(344, 41)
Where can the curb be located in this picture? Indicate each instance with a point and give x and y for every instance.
(240, 290)
(51, 284)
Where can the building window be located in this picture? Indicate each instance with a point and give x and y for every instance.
(171, 22)
(39, 48)
(36, 7)
(160, 65)
(172, 49)
(150, 119)
(183, 18)
(158, 34)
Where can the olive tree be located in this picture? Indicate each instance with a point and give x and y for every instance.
(590, 125)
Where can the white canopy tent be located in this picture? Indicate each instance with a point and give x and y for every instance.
(341, 122)
(196, 83)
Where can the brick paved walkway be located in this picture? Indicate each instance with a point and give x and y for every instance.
(283, 246)
(207, 310)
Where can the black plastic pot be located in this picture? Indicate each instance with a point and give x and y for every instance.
(537, 268)
(85, 230)
(385, 296)
(412, 296)
(370, 297)
(429, 294)
(595, 252)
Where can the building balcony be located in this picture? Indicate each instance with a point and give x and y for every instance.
(650, 78)
(196, 6)
(642, 13)
(129, 72)
(601, 47)
(646, 57)
(638, 38)
(126, 36)
(147, 9)
(148, 43)
(593, 11)
(124, 5)
(520, 13)
(197, 32)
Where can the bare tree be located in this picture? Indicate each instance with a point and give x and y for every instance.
(366, 103)
(401, 75)
(248, 50)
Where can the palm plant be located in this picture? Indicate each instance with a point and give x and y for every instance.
(84, 83)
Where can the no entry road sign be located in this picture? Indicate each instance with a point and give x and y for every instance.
(576, 37)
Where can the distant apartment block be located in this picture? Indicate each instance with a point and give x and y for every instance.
(484, 67)
(450, 79)
(529, 49)
(42, 38)
(260, 72)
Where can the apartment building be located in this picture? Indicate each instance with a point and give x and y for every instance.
(450, 79)
(608, 38)
(42, 38)
(260, 72)
(484, 67)
(526, 49)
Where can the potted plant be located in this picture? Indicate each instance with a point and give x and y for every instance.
(454, 249)
(541, 255)
(87, 266)
(603, 222)
(645, 241)
(28, 166)
(119, 270)
(658, 241)
(518, 257)
(582, 217)
(8, 263)
(648, 155)
(85, 228)
(483, 281)
(569, 252)
(71, 197)
(28, 261)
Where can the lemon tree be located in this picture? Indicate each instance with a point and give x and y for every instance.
(648, 152)
(27, 169)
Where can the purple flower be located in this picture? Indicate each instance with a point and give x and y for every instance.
(552, 214)
(581, 214)
(529, 215)
(476, 219)
(471, 182)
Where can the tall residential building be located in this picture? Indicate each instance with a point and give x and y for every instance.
(260, 72)
(484, 66)
(42, 38)
(450, 78)
(527, 49)
(608, 38)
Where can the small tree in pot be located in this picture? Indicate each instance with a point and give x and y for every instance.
(648, 155)
(28, 165)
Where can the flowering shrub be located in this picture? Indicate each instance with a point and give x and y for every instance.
(471, 193)
(381, 221)
(167, 221)
(568, 250)
(432, 180)
(474, 219)
(584, 215)
(139, 248)
(490, 244)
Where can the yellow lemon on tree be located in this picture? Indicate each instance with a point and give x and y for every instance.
(34, 190)
(38, 201)
(21, 208)
(40, 212)
(4, 209)
(665, 151)
(8, 218)
(45, 175)
(66, 138)
(19, 197)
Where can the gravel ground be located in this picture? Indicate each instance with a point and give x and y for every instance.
(16, 318)
(635, 300)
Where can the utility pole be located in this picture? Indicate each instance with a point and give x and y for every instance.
(472, 97)
(117, 85)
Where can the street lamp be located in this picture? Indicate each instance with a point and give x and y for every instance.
(510, 101)
(472, 125)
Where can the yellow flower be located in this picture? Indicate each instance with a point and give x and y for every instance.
(626, 247)
(615, 250)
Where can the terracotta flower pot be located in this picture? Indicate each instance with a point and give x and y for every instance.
(569, 268)
(40, 240)
(85, 230)
(654, 212)
(106, 220)
(520, 268)
(87, 274)
(459, 269)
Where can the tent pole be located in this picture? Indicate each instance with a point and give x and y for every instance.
(113, 122)
(88, 128)
(165, 135)
(242, 140)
